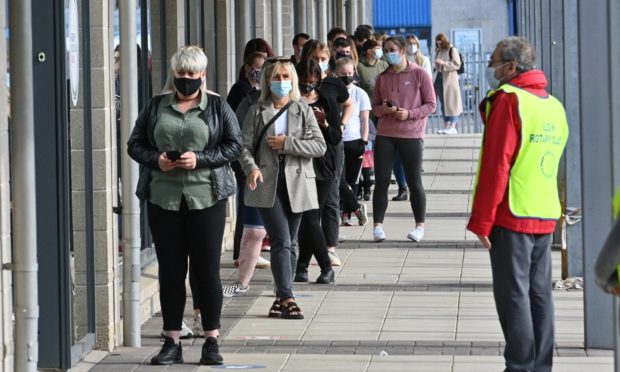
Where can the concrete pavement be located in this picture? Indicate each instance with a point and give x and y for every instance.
(396, 305)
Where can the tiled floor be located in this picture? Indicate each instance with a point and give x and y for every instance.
(396, 305)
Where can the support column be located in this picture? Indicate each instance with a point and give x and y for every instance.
(107, 271)
(6, 281)
(597, 168)
(351, 12)
(131, 205)
(362, 16)
(25, 265)
(276, 27)
(243, 27)
(323, 21)
(301, 25)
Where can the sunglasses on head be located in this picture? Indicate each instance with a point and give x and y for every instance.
(278, 60)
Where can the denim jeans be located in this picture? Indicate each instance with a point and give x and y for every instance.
(282, 225)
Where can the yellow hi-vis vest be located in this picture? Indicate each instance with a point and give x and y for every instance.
(616, 204)
(532, 185)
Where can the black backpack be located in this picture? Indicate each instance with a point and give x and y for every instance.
(462, 68)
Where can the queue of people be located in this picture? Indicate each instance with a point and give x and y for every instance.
(297, 141)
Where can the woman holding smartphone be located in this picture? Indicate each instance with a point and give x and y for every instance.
(404, 97)
(184, 142)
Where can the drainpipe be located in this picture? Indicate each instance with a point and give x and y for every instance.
(129, 176)
(25, 265)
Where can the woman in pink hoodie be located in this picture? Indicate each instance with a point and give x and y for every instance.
(404, 97)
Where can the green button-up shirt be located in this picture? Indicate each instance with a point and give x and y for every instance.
(182, 132)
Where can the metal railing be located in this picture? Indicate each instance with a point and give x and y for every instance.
(473, 86)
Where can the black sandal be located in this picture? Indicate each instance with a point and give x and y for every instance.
(276, 309)
(290, 310)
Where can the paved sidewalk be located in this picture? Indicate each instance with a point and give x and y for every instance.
(396, 305)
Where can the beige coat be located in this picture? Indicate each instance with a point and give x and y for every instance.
(304, 141)
(451, 87)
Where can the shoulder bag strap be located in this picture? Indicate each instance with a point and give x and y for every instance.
(269, 124)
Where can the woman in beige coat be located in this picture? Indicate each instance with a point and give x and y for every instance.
(280, 175)
(447, 87)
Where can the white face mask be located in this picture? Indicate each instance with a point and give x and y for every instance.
(412, 49)
(494, 82)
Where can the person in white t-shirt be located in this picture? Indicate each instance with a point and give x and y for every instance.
(354, 137)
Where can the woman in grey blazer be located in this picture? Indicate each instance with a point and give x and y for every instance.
(280, 175)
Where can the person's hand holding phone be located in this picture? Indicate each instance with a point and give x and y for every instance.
(401, 114)
(320, 117)
(187, 160)
(165, 164)
(389, 107)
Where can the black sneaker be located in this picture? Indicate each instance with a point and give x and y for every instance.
(170, 353)
(211, 353)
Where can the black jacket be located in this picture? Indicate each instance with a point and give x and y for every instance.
(224, 146)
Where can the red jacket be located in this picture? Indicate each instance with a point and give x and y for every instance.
(502, 140)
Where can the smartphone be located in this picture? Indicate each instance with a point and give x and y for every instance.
(389, 103)
(173, 155)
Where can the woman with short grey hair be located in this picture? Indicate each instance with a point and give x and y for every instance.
(184, 142)
(280, 138)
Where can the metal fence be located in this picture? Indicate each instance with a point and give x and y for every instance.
(473, 88)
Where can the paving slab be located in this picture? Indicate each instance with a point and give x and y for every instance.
(395, 306)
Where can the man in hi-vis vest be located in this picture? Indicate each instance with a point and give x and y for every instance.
(516, 203)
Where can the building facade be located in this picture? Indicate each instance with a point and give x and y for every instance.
(77, 147)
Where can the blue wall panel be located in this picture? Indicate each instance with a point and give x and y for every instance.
(402, 13)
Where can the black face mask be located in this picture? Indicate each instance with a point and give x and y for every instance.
(307, 88)
(346, 79)
(342, 55)
(187, 86)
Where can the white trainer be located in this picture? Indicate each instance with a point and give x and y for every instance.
(263, 263)
(334, 259)
(197, 327)
(378, 234)
(451, 130)
(441, 131)
(184, 333)
(235, 290)
(416, 234)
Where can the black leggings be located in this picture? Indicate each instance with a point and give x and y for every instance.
(353, 151)
(410, 150)
(310, 236)
(196, 234)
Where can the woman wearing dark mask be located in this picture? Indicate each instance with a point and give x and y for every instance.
(248, 81)
(311, 237)
(331, 86)
(184, 142)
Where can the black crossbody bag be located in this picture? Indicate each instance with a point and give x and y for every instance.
(264, 131)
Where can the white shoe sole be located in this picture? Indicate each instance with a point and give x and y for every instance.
(414, 239)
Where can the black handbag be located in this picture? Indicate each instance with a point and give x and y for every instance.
(264, 131)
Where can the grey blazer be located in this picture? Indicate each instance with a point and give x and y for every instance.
(304, 141)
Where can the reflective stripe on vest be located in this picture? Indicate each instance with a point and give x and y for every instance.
(532, 185)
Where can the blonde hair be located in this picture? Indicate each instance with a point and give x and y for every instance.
(189, 58)
(270, 70)
(341, 62)
(418, 55)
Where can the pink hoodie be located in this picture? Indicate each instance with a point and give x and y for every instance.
(410, 89)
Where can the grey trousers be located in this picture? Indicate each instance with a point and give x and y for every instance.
(521, 265)
(282, 225)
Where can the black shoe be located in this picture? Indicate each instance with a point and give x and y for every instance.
(211, 353)
(367, 196)
(326, 277)
(170, 353)
(301, 275)
(402, 195)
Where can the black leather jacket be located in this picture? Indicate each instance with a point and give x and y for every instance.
(223, 146)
